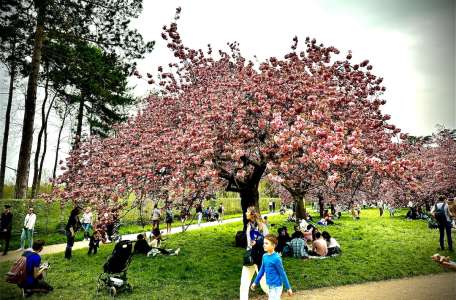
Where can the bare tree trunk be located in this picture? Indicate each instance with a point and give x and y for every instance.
(58, 142)
(30, 105)
(80, 120)
(7, 126)
(321, 204)
(43, 155)
(40, 136)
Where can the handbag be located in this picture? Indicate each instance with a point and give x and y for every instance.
(248, 259)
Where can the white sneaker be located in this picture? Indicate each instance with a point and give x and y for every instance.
(177, 251)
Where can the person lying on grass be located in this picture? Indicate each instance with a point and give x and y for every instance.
(444, 261)
(142, 247)
(273, 267)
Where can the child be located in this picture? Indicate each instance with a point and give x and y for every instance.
(94, 241)
(273, 267)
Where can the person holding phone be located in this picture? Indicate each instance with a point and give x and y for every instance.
(34, 280)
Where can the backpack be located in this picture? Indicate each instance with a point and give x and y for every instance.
(18, 271)
(439, 214)
(241, 239)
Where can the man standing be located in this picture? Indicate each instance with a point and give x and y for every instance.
(440, 212)
(27, 230)
(6, 224)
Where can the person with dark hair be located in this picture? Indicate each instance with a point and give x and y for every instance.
(298, 244)
(169, 216)
(94, 241)
(141, 245)
(283, 238)
(6, 225)
(319, 246)
(156, 213)
(34, 281)
(442, 215)
(199, 213)
(71, 228)
(333, 245)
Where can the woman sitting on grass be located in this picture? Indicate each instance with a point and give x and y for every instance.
(142, 247)
(333, 245)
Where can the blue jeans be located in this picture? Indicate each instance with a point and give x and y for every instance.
(275, 292)
(27, 234)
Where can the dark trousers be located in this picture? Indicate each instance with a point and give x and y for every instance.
(69, 246)
(40, 286)
(93, 247)
(442, 228)
(6, 236)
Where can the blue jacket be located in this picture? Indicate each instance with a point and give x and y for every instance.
(275, 274)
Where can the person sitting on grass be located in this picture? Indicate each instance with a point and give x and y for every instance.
(444, 261)
(94, 241)
(319, 246)
(298, 245)
(284, 237)
(328, 217)
(333, 245)
(34, 281)
(309, 232)
(273, 268)
(142, 247)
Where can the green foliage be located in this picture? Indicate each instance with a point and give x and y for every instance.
(209, 266)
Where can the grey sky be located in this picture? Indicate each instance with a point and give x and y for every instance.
(411, 43)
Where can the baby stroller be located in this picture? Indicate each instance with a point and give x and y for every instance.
(114, 277)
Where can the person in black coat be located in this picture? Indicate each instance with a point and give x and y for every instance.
(71, 227)
(6, 224)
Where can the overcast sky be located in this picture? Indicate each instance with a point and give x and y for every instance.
(411, 43)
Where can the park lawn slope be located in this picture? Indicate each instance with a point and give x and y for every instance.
(209, 266)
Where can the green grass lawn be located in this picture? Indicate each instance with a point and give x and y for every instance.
(209, 266)
(48, 228)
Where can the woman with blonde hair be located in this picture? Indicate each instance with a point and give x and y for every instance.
(255, 232)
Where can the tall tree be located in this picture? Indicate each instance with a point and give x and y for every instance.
(15, 29)
(103, 23)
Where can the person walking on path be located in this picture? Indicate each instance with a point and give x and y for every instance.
(255, 232)
(6, 225)
(71, 228)
(156, 217)
(221, 213)
(87, 222)
(169, 216)
(27, 230)
(199, 213)
(442, 215)
(272, 266)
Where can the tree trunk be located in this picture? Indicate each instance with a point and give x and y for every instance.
(43, 155)
(40, 137)
(249, 197)
(30, 105)
(7, 126)
(300, 207)
(79, 125)
(58, 143)
(321, 204)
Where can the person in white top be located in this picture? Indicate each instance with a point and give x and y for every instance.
(27, 230)
(86, 222)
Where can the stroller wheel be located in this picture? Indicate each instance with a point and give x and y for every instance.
(112, 291)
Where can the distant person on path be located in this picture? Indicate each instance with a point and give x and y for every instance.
(270, 206)
(156, 217)
(440, 212)
(87, 222)
(199, 213)
(6, 225)
(272, 266)
(169, 217)
(380, 207)
(391, 210)
(221, 213)
(183, 216)
(71, 228)
(27, 230)
(34, 281)
(255, 232)
(273, 206)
